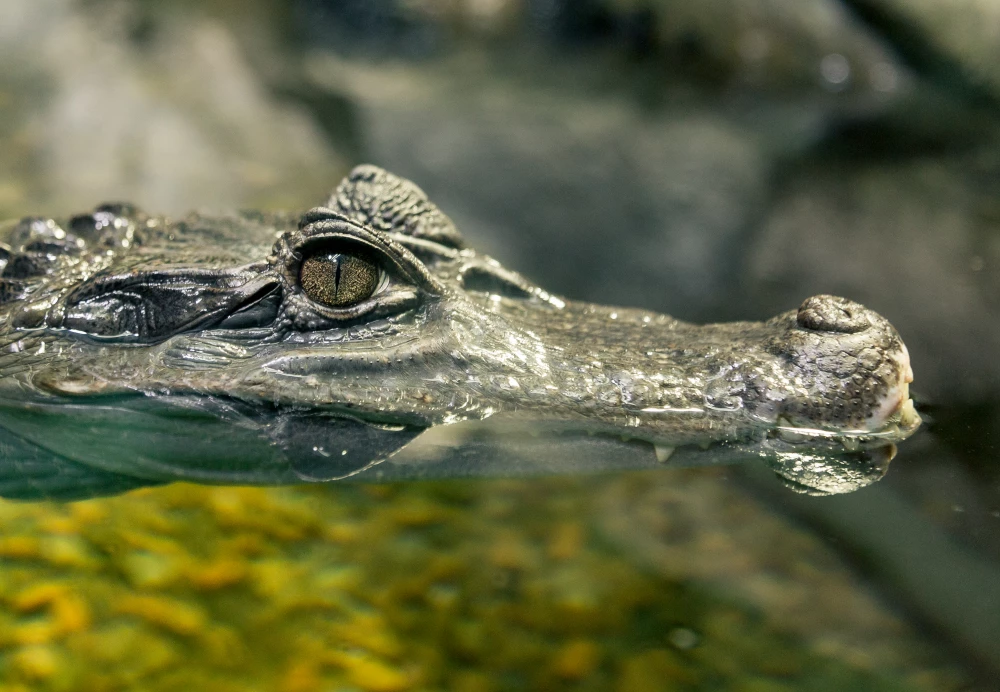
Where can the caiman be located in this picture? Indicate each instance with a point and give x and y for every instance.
(270, 348)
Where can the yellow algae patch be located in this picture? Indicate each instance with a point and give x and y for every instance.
(577, 659)
(418, 512)
(342, 532)
(282, 581)
(244, 544)
(59, 524)
(89, 511)
(257, 509)
(338, 579)
(566, 541)
(510, 552)
(67, 612)
(129, 649)
(151, 542)
(289, 587)
(62, 551)
(145, 570)
(654, 669)
(224, 646)
(471, 681)
(369, 632)
(37, 596)
(36, 663)
(20, 547)
(301, 676)
(218, 573)
(272, 578)
(370, 673)
(67, 551)
(171, 614)
(36, 632)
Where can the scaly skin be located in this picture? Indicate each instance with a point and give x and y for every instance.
(138, 350)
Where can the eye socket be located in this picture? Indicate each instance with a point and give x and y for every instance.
(339, 279)
(335, 272)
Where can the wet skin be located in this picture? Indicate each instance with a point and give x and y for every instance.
(272, 348)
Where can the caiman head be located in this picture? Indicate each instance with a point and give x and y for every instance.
(266, 348)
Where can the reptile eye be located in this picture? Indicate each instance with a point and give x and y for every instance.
(335, 273)
(339, 279)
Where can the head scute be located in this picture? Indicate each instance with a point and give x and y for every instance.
(374, 197)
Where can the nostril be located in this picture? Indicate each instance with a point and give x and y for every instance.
(832, 314)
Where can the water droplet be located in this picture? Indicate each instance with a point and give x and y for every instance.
(835, 69)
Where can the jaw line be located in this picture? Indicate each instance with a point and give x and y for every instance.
(900, 424)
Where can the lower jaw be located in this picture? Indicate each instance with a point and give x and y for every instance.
(901, 422)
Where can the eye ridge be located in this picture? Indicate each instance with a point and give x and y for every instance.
(339, 279)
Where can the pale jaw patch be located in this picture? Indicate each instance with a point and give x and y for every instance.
(897, 408)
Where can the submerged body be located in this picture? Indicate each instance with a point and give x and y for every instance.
(269, 348)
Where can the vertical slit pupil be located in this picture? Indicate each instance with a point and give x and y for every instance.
(339, 279)
(336, 281)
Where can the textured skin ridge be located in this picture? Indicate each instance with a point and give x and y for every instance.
(379, 199)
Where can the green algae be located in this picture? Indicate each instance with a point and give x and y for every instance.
(464, 586)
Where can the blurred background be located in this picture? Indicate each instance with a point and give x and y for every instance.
(715, 160)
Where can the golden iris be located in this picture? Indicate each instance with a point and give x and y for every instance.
(338, 279)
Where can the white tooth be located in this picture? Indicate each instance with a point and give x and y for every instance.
(851, 444)
(662, 452)
(908, 369)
